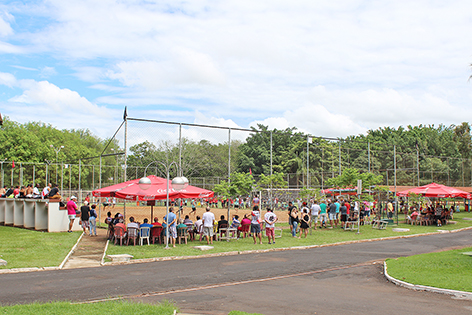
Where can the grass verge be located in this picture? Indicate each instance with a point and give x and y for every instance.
(23, 248)
(447, 270)
(318, 237)
(111, 307)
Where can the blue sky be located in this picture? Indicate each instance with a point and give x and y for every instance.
(330, 68)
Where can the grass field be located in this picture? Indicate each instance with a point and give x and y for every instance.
(318, 237)
(112, 307)
(448, 269)
(26, 248)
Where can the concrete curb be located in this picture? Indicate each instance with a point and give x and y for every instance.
(457, 294)
(146, 260)
(71, 251)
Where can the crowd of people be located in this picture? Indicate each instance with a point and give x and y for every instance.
(31, 191)
(429, 214)
(205, 226)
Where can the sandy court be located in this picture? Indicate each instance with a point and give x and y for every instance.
(142, 212)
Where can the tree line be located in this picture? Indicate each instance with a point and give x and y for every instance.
(440, 153)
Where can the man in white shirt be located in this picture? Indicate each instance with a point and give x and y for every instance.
(315, 210)
(270, 218)
(36, 193)
(208, 221)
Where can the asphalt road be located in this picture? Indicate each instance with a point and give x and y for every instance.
(335, 279)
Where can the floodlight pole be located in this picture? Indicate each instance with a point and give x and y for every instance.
(145, 183)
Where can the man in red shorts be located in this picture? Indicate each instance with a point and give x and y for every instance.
(270, 218)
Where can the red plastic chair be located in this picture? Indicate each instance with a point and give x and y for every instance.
(119, 234)
(156, 232)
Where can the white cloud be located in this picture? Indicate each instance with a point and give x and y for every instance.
(46, 72)
(309, 64)
(63, 108)
(5, 28)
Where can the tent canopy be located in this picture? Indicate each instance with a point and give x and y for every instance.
(157, 191)
(436, 190)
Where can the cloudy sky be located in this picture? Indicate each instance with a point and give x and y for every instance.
(329, 68)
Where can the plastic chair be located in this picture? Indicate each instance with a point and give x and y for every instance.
(119, 234)
(156, 232)
(190, 231)
(222, 226)
(182, 233)
(144, 233)
(132, 235)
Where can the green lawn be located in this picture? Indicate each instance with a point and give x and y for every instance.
(112, 307)
(25, 248)
(448, 270)
(318, 237)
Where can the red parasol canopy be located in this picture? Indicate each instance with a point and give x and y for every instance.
(436, 190)
(157, 191)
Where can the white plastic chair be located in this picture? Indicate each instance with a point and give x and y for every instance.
(144, 233)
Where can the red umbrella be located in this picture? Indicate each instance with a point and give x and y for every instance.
(436, 190)
(157, 191)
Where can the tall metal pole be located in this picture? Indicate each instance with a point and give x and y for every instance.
(62, 176)
(180, 150)
(308, 162)
(126, 157)
(339, 145)
(229, 168)
(395, 179)
(271, 161)
(418, 164)
(167, 207)
(80, 186)
(3, 174)
(368, 154)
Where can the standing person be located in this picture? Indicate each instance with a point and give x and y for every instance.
(255, 201)
(270, 218)
(315, 210)
(332, 213)
(170, 220)
(208, 221)
(255, 224)
(194, 208)
(304, 222)
(93, 221)
(295, 220)
(71, 211)
(323, 214)
(338, 206)
(343, 210)
(85, 216)
(290, 208)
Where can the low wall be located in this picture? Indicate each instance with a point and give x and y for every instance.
(37, 214)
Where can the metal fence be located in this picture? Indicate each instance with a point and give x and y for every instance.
(186, 144)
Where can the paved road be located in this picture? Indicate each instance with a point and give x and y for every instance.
(336, 279)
